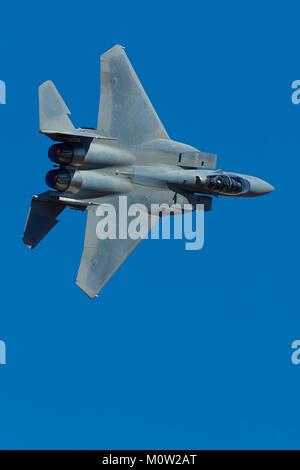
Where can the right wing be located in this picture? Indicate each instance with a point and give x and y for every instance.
(125, 110)
(101, 258)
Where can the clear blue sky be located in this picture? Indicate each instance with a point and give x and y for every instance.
(183, 349)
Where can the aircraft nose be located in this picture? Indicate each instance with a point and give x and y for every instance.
(268, 188)
(260, 187)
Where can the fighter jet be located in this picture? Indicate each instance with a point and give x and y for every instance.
(129, 154)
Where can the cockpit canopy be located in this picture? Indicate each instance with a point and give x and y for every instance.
(224, 184)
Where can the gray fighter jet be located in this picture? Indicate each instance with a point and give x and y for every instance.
(130, 154)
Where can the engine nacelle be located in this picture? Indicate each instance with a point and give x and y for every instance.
(58, 179)
(67, 154)
(86, 183)
(90, 156)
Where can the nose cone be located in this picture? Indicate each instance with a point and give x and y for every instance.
(259, 187)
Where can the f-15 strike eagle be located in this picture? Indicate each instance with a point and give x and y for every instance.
(129, 154)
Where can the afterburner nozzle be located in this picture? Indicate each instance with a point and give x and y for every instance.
(58, 179)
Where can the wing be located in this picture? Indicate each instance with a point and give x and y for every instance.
(101, 258)
(125, 110)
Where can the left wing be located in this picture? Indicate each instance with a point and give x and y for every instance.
(101, 258)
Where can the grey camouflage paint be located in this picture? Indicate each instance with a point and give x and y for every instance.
(130, 153)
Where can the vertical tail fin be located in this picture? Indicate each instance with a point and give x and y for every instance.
(53, 110)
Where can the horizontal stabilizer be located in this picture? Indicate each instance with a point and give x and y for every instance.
(54, 120)
(53, 110)
(41, 219)
(74, 135)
